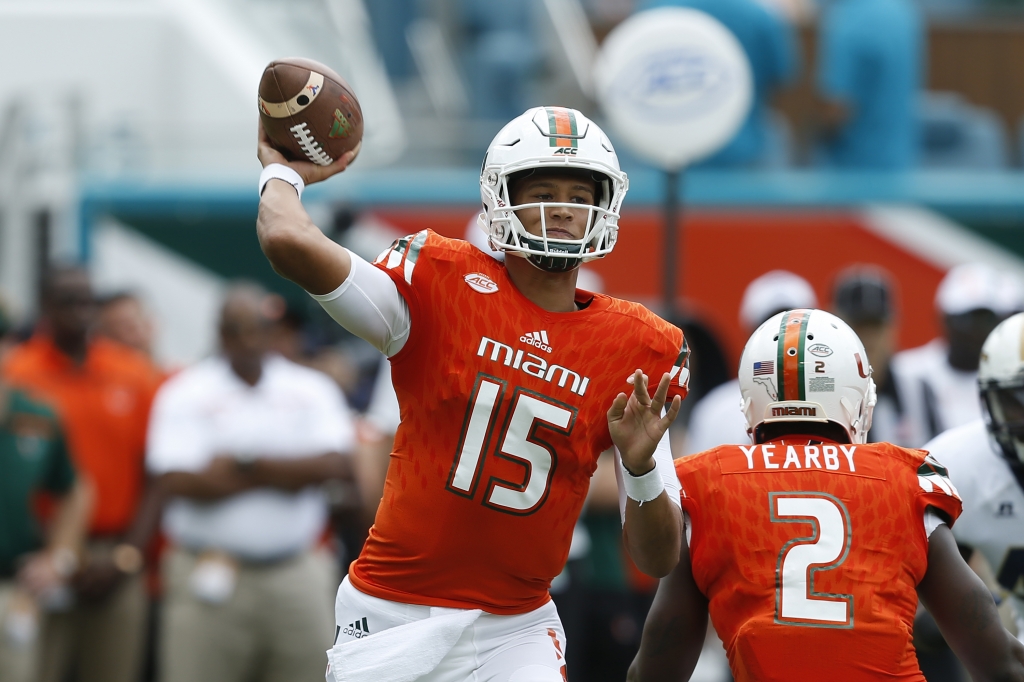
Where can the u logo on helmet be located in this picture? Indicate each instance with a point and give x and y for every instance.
(860, 366)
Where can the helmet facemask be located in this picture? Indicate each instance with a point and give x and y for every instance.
(507, 232)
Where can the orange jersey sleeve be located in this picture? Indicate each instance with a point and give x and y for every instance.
(936, 490)
(503, 415)
(810, 555)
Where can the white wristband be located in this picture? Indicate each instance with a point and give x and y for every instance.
(643, 488)
(279, 171)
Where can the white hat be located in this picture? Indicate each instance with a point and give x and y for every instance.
(975, 286)
(774, 292)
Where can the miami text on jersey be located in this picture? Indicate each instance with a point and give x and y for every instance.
(534, 365)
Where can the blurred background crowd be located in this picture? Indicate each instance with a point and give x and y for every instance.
(221, 444)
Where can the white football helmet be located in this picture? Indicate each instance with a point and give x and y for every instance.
(1001, 382)
(551, 138)
(806, 366)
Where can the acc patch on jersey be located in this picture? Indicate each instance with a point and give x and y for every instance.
(481, 283)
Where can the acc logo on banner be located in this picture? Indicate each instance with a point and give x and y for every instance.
(675, 84)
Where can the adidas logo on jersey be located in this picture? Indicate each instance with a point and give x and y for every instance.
(357, 629)
(537, 340)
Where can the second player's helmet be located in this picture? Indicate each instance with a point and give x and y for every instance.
(806, 366)
(551, 138)
(1001, 382)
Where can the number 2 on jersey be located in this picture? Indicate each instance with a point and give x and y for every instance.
(527, 412)
(796, 601)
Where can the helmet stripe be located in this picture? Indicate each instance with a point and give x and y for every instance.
(780, 364)
(562, 127)
(790, 372)
(805, 317)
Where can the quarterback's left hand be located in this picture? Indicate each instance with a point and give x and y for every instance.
(636, 423)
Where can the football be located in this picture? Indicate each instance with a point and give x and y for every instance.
(309, 112)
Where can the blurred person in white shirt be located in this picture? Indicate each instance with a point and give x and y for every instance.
(939, 379)
(717, 419)
(241, 443)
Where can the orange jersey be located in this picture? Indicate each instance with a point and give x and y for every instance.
(104, 404)
(503, 408)
(810, 554)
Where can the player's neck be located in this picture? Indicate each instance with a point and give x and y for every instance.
(552, 291)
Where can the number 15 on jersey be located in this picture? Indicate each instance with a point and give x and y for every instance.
(519, 441)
